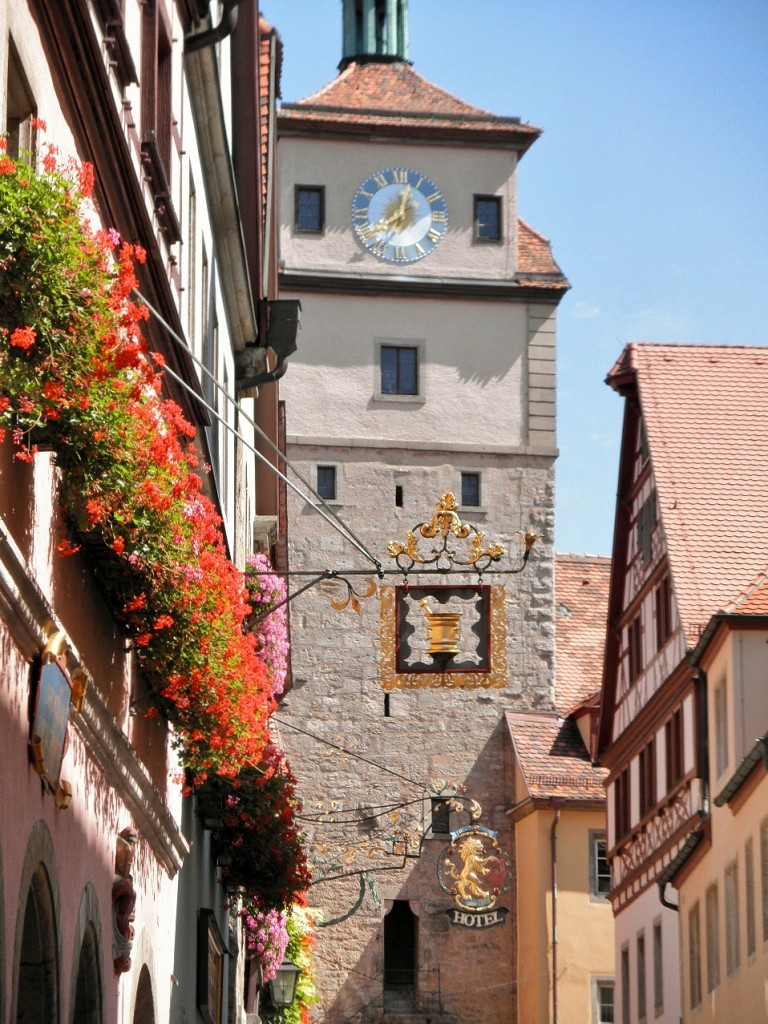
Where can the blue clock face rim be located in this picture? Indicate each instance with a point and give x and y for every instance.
(399, 215)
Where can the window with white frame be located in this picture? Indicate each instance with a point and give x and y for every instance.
(603, 1001)
(599, 869)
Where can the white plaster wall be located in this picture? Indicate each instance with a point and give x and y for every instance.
(472, 371)
(459, 173)
(749, 696)
(636, 916)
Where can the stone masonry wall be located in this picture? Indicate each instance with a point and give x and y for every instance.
(364, 760)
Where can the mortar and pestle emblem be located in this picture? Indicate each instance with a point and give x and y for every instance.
(443, 631)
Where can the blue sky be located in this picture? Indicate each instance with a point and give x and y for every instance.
(650, 179)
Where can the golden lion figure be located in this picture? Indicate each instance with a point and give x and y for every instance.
(469, 881)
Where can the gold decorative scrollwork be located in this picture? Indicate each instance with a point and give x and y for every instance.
(353, 598)
(446, 524)
(445, 520)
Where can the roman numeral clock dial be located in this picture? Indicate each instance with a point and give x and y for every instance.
(399, 215)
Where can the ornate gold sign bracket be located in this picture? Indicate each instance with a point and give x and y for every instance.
(443, 557)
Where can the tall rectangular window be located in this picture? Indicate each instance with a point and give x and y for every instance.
(309, 210)
(470, 489)
(658, 969)
(713, 939)
(641, 1005)
(634, 649)
(732, 944)
(625, 1002)
(399, 370)
(20, 107)
(721, 728)
(600, 871)
(326, 482)
(764, 876)
(487, 218)
(622, 794)
(156, 81)
(648, 778)
(749, 895)
(191, 253)
(646, 520)
(663, 602)
(673, 736)
(694, 956)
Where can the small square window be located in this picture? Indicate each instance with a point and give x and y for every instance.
(470, 489)
(310, 208)
(326, 482)
(399, 370)
(487, 218)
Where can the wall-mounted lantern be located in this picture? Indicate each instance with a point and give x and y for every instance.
(282, 988)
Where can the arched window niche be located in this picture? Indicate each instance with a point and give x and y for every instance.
(37, 988)
(87, 999)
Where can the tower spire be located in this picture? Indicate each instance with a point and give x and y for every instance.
(374, 31)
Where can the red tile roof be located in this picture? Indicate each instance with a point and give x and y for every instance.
(704, 413)
(581, 609)
(266, 35)
(551, 754)
(552, 758)
(534, 259)
(393, 97)
(754, 600)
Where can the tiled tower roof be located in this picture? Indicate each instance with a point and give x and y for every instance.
(389, 97)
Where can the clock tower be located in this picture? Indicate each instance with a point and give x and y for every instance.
(426, 365)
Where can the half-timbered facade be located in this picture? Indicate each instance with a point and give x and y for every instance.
(691, 471)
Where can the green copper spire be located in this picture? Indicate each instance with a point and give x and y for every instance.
(374, 30)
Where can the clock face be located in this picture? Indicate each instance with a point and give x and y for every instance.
(399, 215)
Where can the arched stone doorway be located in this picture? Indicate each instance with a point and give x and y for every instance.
(399, 957)
(38, 979)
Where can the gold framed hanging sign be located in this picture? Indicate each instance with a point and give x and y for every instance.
(443, 636)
